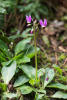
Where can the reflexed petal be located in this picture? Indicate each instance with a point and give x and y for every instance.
(41, 22)
(30, 19)
(45, 22)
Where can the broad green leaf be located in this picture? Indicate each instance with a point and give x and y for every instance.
(41, 91)
(23, 35)
(25, 89)
(26, 34)
(31, 52)
(24, 59)
(58, 85)
(10, 95)
(8, 72)
(21, 80)
(22, 45)
(60, 95)
(49, 73)
(28, 70)
(14, 36)
(26, 31)
(6, 63)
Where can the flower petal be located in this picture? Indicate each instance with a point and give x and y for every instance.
(41, 22)
(45, 22)
(28, 19)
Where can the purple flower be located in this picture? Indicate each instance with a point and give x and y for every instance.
(47, 79)
(43, 24)
(28, 19)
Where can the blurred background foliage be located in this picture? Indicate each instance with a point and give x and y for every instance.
(13, 12)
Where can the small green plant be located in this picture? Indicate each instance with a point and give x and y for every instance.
(35, 31)
(18, 76)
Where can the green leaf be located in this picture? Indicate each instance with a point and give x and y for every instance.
(60, 95)
(10, 95)
(31, 52)
(24, 59)
(41, 91)
(6, 63)
(21, 80)
(8, 72)
(26, 34)
(13, 37)
(25, 89)
(3, 46)
(22, 45)
(58, 85)
(49, 73)
(28, 70)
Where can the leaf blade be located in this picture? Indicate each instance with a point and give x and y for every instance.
(8, 72)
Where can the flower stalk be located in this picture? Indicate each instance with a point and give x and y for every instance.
(43, 24)
(35, 52)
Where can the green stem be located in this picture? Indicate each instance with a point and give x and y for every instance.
(35, 52)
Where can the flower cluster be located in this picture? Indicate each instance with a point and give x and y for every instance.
(41, 22)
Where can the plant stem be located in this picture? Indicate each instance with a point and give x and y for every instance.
(35, 52)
